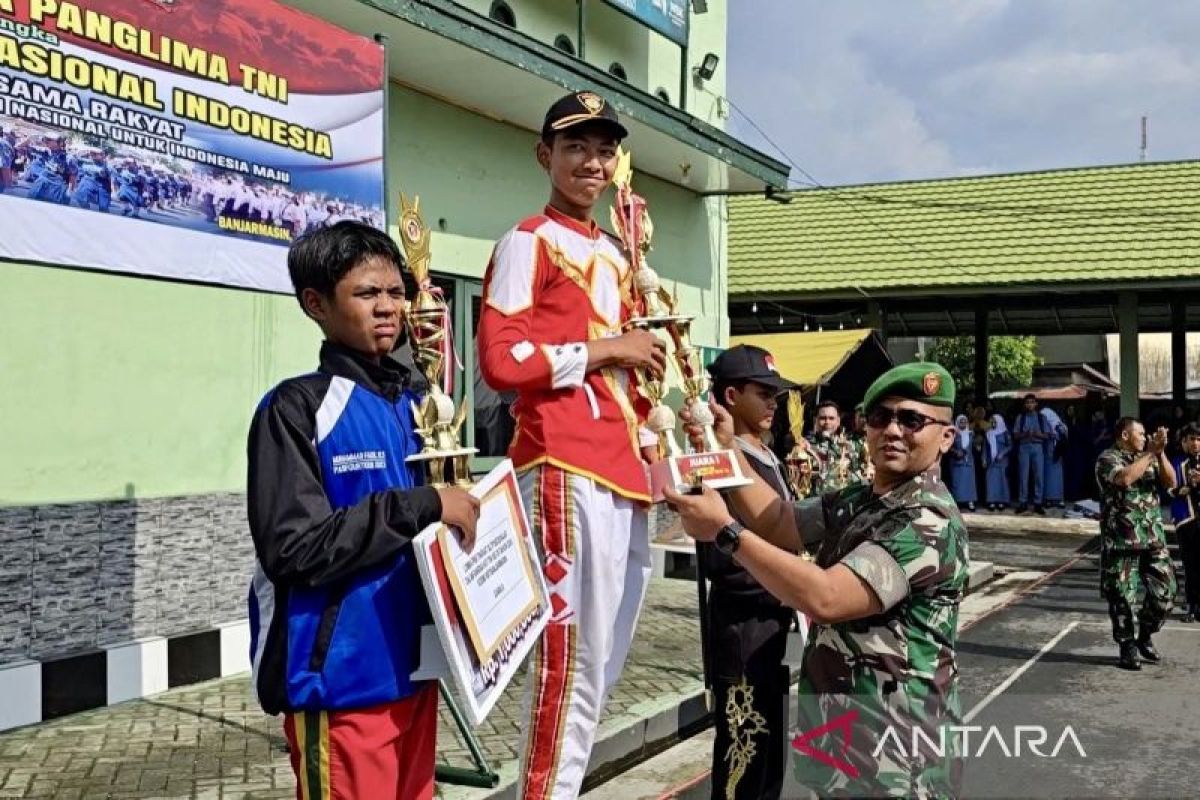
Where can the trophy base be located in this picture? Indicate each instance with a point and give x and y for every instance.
(436, 454)
(657, 322)
(718, 469)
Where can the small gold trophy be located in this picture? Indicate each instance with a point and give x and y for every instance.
(428, 321)
(843, 462)
(801, 464)
(656, 309)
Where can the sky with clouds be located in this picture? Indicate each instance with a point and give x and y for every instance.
(857, 91)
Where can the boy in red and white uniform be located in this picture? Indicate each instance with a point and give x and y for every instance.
(556, 295)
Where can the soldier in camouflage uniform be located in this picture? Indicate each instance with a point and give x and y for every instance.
(1132, 543)
(883, 595)
(831, 446)
(861, 469)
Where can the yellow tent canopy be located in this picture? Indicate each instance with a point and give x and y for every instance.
(809, 359)
(843, 362)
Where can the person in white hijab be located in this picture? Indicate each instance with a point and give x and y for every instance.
(1052, 470)
(999, 446)
(961, 461)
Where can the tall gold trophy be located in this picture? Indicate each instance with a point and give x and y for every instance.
(656, 310)
(427, 319)
(802, 466)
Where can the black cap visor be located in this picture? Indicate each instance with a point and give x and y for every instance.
(773, 382)
(580, 124)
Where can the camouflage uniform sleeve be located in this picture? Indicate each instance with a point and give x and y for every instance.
(879, 570)
(1107, 467)
(920, 541)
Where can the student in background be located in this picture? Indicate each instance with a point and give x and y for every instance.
(1030, 432)
(961, 460)
(996, 452)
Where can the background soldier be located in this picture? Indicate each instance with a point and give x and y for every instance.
(883, 594)
(1132, 542)
(831, 447)
(748, 628)
(861, 469)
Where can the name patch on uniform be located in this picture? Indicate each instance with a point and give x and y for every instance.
(365, 459)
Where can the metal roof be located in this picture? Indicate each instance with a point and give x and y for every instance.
(1105, 226)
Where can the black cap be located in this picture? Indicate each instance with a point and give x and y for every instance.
(580, 108)
(745, 362)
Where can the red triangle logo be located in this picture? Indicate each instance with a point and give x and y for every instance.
(801, 743)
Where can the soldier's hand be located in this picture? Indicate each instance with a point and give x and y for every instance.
(1158, 441)
(640, 349)
(460, 510)
(702, 514)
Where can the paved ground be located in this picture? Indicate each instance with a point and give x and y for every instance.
(1035, 650)
(1049, 660)
(211, 741)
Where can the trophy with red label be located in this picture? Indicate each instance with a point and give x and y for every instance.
(428, 320)
(656, 310)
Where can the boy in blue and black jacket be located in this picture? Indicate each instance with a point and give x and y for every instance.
(336, 605)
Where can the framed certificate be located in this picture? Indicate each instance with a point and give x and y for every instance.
(496, 584)
(489, 606)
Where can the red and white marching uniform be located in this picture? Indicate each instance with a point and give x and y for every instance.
(553, 285)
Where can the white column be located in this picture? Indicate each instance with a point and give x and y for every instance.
(137, 669)
(235, 647)
(21, 690)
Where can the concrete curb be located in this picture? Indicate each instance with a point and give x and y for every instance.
(979, 573)
(1029, 525)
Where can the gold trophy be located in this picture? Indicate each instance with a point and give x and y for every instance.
(428, 321)
(801, 464)
(843, 462)
(656, 309)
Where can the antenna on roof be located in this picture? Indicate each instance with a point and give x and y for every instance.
(1142, 155)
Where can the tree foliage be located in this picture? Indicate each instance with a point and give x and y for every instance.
(1011, 360)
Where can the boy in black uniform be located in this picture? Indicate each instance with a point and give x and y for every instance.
(747, 627)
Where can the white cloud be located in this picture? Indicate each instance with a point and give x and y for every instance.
(825, 106)
(859, 91)
(1013, 83)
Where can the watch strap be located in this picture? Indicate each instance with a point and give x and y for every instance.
(729, 537)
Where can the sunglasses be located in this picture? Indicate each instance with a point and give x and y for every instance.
(908, 419)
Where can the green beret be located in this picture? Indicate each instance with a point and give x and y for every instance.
(921, 380)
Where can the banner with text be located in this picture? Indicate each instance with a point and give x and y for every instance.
(668, 17)
(189, 139)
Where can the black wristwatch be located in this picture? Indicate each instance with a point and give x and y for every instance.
(729, 537)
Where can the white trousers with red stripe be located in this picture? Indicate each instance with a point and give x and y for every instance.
(596, 558)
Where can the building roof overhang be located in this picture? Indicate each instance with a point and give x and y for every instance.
(468, 60)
